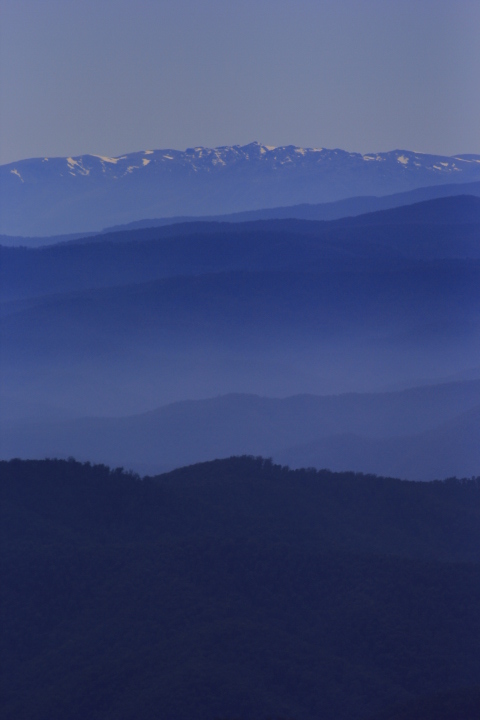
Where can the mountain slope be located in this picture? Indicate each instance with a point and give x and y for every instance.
(61, 195)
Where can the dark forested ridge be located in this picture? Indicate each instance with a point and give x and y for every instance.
(237, 589)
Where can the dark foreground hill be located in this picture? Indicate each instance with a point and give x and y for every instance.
(235, 589)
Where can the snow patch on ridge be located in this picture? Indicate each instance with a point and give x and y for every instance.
(106, 159)
(75, 164)
(15, 172)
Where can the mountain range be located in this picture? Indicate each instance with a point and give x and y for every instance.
(47, 196)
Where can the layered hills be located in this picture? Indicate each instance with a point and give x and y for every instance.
(350, 207)
(358, 205)
(436, 230)
(126, 322)
(418, 434)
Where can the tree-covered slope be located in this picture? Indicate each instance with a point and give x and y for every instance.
(234, 588)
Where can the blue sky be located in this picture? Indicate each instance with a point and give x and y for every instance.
(114, 76)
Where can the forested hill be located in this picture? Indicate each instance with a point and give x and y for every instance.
(235, 588)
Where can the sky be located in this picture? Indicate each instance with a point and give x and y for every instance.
(115, 76)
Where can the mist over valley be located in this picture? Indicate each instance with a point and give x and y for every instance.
(133, 320)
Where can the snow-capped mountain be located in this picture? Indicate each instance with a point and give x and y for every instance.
(45, 196)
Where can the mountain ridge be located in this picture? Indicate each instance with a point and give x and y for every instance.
(210, 158)
(57, 195)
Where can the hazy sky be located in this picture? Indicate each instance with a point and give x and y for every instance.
(114, 76)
